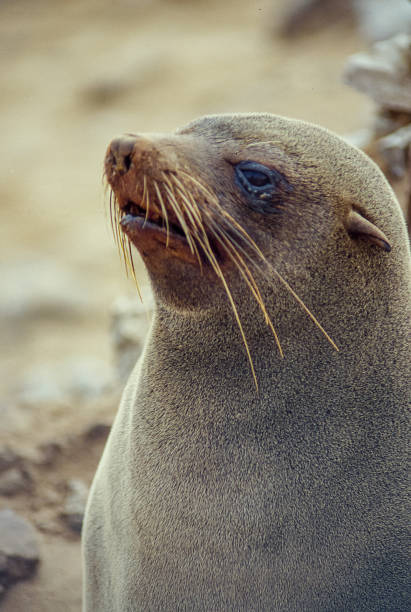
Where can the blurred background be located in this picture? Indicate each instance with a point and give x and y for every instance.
(73, 75)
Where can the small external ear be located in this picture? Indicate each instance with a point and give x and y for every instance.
(357, 225)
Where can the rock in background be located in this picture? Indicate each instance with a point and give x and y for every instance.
(379, 20)
(19, 553)
(306, 16)
(375, 19)
(75, 505)
(384, 75)
(130, 321)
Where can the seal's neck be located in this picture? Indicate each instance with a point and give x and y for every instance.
(189, 353)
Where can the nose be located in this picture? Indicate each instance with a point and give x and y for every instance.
(120, 153)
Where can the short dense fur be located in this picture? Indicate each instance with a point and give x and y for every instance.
(211, 496)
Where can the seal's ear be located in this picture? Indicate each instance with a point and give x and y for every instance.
(357, 225)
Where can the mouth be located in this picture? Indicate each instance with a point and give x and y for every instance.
(148, 229)
(136, 218)
(134, 215)
(155, 235)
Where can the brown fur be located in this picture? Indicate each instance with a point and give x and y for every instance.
(211, 495)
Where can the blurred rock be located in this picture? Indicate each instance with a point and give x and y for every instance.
(82, 377)
(384, 74)
(13, 417)
(387, 121)
(50, 497)
(376, 19)
(19, 554)
(394, 150)
(8, 458)
(33, 287)
(75, 505)
(39, 385)
(360, 138)
(304, 16)
(98, 431)
(379, 20)
(130, 323)
(48, 453)
(14, 481)
(87, 377)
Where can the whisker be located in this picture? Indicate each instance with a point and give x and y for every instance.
(203, 188)
(183, 192)
(178, 212)
(237, 245)
(115, 223)
(249, 279)
(205, 244)
(207, 249)
(133, 271)
(145, 199)
(189, 233)
(123, 253)
(305, 308)
(252, 243)
(122, 242)
(111, 211)
(163, 209)
(233, 222)
(192, 211)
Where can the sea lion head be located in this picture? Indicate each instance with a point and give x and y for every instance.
(290, 186)
(249, 200)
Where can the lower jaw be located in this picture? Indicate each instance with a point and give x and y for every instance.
(151, 239)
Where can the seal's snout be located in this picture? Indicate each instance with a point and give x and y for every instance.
(120, 153)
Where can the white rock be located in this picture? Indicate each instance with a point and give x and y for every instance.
(38, 287)
(130, 321)
(14, 481)
(19, 553)
(381, 19)
(376, 19)
(82, 377)
(384, 74)
(75, 505)
(8, 458)
(394, 150)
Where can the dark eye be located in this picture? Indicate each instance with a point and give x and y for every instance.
(256, 180)
(263, 187)
(256, 177)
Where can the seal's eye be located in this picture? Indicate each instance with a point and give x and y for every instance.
(263, 187)
(256, 178)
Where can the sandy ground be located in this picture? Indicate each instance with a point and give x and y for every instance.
(74, 74)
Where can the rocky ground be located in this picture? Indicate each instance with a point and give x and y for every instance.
(73, 74)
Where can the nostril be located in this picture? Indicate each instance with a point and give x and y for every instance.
(127, 162)
(121, 153)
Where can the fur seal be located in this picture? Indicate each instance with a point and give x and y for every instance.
(251, 465)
